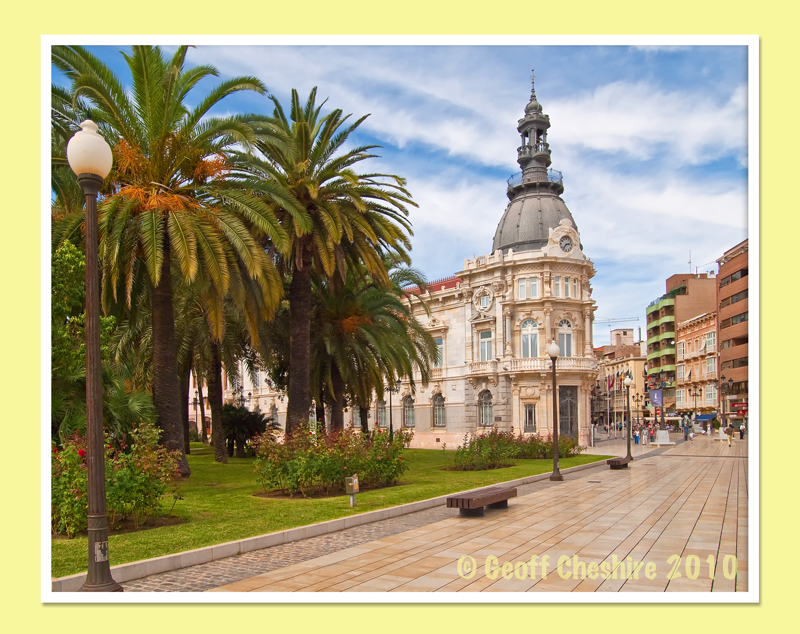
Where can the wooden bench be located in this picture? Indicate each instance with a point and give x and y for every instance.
(471, 504)
(618, 463)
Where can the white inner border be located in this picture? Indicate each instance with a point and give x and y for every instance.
(753, 157)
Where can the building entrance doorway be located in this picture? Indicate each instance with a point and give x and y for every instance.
(568, 411)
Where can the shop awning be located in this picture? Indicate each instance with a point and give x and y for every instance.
(704, 417)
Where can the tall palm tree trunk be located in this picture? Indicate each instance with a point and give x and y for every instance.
(299, 346)
(337, 406)
(166, 391)
(202, 408)
(363, 413)
(215, 401)
(184, 386)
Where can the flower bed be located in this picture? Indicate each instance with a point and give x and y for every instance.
(137, 477)
(495, 449)
(312, 462)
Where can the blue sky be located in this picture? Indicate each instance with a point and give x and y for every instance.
(652, 143)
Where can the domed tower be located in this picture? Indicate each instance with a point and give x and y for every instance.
(494, 320)
(535, 205)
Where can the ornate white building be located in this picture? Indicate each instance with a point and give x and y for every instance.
(494, 319)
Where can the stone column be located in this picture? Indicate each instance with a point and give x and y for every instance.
(548, 326)
(587, 334)
(468, 334)
(509, 349)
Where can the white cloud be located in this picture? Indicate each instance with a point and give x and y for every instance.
(642, 121)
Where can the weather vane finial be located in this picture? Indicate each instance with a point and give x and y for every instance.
(533, 89)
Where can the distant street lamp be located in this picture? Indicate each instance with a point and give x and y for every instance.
(393, 386)
(90, 158)
(698, 391)
(553, 351)
(627, 382)
(196, 402)
(638, 398)
(725, 388)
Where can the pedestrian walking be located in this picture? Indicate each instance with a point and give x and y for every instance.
(729, 432)
(742, 429)
(636, 437)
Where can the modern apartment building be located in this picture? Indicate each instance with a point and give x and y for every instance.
(732, 330)
(688, 295)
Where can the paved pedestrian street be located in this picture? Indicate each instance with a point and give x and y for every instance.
(674, 521)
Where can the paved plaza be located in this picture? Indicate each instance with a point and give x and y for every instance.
(675, 521)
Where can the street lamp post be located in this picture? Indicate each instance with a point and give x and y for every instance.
(627, 382)
(553, 351)
(195, 402)
(90, 158)
(638, 398)
(393, 386)
(726, 387)
(698, 391)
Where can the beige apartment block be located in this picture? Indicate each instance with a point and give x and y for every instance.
(696, 369)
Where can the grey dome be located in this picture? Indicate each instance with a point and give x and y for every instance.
(526, 222)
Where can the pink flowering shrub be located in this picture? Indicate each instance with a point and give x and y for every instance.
(313, 461)
(137, 477)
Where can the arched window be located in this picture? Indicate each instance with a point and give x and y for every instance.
(408, 411)
(438, 411)
(530, 339)
(485, 416)
(565, 337)
(381, 414)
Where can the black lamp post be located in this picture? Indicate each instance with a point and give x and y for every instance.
(553, 351)
(90, 158)
(195, 402)
(726, 388)
(698, 391)
(392, 387)
(627, 382)
(638, 398)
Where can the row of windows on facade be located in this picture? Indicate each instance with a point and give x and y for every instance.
(702, 345)
(711, 368)
(734, 299)
(528, 288)
(707, 395)
(732, 321)
(485, 412)
(529, 340)
(733, 277)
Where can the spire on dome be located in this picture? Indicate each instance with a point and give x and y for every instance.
(533, 88)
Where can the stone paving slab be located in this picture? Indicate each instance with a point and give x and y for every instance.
(674, 521)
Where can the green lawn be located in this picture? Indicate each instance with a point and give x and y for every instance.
(220, 506)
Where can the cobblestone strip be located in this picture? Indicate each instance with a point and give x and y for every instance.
(223, 571)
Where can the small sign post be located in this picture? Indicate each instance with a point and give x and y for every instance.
(351, 488)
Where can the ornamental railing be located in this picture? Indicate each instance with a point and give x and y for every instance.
(554, 176)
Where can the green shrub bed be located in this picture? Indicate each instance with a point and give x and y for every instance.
(311, 461)
(495, 449)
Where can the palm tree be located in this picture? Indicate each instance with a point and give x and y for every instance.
(366, 333)
(168, 203)
(336, 219)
